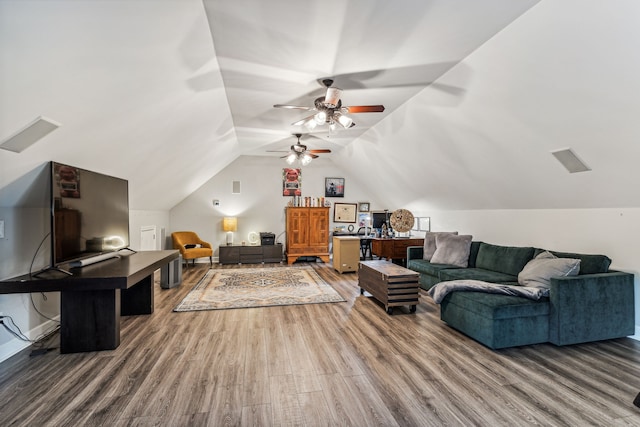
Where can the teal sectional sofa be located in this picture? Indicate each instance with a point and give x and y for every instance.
(596, 304)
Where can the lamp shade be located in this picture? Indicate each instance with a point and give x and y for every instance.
(230, 224)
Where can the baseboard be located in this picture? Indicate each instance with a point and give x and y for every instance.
(636, 336)
(15, 346)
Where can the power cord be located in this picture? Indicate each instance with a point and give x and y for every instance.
(36, 253)
(39, 344)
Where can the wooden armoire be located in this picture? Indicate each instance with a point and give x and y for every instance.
(307, 233)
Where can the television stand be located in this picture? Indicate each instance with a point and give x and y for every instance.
(94, 298)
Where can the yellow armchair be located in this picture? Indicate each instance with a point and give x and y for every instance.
(191, 246)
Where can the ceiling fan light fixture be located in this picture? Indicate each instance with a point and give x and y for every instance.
(332, 97)
(310, 124)
(320, 117)
(291, 158)
(345, 121)
(305, 159)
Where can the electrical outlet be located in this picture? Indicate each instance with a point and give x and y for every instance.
(1, 228)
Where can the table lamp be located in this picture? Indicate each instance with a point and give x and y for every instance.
(230, 224)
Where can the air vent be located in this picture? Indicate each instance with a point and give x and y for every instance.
(235, 187)
(28, 136)
(570, 161)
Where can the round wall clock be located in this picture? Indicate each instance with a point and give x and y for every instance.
(254, 238)
(401, 220)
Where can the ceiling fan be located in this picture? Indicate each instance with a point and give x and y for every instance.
(300, 152)
(329, 110)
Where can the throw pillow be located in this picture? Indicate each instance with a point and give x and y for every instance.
(539, 271)
(452, 249)
(430, 242)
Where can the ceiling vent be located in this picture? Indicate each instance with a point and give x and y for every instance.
(28, 136)
(570, 161)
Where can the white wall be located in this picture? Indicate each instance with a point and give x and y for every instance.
(260, 204)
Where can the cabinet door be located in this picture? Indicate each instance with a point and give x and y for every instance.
(319, 228)
(297, 228)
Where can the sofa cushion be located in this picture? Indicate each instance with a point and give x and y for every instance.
(452, 249)
(430, 242)
(539, 271)
(476, 274)
(426, 267)
(589, 264)
(504, 259)
(496, 306)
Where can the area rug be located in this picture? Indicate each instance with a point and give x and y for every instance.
(258, 287)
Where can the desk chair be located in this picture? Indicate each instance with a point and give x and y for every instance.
(365, 244)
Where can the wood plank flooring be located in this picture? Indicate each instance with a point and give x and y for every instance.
(347, 364)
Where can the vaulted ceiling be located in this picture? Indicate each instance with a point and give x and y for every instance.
(167, 93)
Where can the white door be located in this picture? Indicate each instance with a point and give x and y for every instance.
(148, 238)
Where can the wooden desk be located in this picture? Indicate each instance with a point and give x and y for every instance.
(393, 248)
(94, 298)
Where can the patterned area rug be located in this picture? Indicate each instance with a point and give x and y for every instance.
(258, 287)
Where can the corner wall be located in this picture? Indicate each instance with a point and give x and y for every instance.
(260, 204)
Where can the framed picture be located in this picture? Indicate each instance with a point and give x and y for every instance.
(334, 187)
(363, 207)
(422, 223)
(364, 219)
(344, 212)
(291, 182)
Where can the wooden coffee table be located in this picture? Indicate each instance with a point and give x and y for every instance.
(391, 284)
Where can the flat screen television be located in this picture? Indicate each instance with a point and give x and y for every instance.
(90, 213)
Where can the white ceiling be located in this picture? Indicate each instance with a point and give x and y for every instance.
(167, 93)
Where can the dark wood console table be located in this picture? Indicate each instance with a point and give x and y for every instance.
(393, 248)
(94, 298)
(236, 254)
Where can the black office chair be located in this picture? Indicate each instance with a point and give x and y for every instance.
(365, 244)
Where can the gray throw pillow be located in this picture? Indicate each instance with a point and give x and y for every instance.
(452, 249)
(430, 242)
(539, 271)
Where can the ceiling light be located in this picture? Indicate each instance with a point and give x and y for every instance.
(345, 121)
(305, 159)
(320, 117)
(310, 124)
(291, 158)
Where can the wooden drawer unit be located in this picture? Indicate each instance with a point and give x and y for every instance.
(389, 283)
(249, 254)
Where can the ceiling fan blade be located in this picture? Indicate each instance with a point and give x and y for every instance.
(292, 107)
(303, 121)
(320, 151)
(313, 156)
(365, 109)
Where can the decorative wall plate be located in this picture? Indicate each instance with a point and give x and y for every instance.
(401, 220)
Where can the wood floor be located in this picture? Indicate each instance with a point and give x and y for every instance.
(324, 364)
